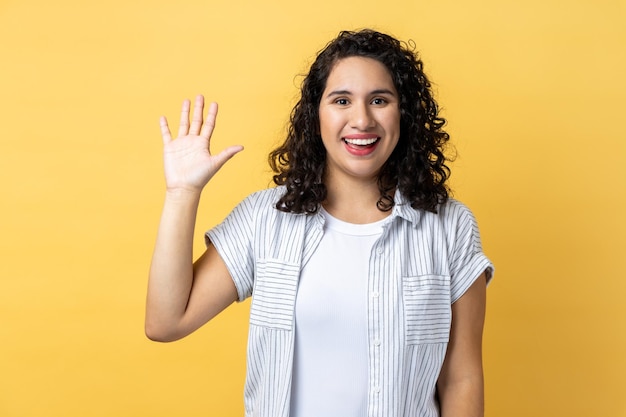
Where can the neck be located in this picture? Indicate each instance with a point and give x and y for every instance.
(354, 201)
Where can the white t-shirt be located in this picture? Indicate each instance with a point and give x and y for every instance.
(330, 374)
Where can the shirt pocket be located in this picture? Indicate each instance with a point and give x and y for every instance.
(274, 295)
(427, 309)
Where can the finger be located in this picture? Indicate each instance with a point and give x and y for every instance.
(165, 130)
(222, 157)
(196, 121)
(183, 128)
(209, 124)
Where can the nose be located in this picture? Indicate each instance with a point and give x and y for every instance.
(362, 117)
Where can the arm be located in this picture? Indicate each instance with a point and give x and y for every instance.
(460, 384)
(182, 295)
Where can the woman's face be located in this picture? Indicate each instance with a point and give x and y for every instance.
(359, 118)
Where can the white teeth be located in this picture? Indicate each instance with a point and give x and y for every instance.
(360, 142)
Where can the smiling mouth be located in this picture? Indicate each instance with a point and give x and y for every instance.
(361, 142)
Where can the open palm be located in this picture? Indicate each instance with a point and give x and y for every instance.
(188, 161)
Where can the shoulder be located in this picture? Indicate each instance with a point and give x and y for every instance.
(453, 209)
(260, 207)
(453, 218)
(459, 224)
(255, 211)
(266, 194)
(263, 199)
(448, 212)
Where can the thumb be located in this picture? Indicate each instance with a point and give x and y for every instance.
(223, 157)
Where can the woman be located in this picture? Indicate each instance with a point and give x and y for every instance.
(367, 280)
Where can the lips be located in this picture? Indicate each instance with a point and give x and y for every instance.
(361, 139)
(361, 144)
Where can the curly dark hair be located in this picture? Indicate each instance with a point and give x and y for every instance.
(417, 165)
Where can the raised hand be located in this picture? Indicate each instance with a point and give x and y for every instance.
(188, 162)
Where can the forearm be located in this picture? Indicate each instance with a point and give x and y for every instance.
(171, 271)
(463, 398)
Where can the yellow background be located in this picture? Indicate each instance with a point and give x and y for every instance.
(534, 92)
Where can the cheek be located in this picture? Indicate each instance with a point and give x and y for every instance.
(327, 122)
(397, 118)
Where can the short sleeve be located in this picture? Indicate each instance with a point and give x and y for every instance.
(466, 257)
(233, 240)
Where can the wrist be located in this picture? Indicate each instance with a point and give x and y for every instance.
(182, 194)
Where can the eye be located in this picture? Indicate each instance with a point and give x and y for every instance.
(379, 101)
(341, 101)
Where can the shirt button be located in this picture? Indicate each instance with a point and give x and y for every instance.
(379, 251)
(375, 294)
(377, 342)
(377, 390)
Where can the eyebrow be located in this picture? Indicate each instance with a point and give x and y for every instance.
(347, 92)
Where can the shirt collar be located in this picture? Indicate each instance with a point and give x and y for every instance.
(402, 208)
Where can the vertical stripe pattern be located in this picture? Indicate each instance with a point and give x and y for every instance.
(422, 263)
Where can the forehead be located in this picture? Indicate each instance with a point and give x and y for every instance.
(359, 70)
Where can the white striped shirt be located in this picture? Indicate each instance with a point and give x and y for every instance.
(423, 263)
